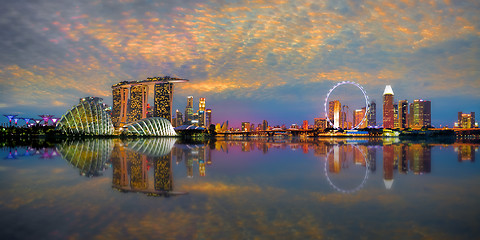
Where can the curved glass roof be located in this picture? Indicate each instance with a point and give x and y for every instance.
(155, 126)
(86, 118)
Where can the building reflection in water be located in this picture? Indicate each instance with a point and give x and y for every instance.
(194, 154)
(342, 157)
(388, 161)
(89, 156)
(132, 161)
(145, 165)
(416, 158)
(466, 152)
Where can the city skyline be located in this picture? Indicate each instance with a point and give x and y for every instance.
(251, 60)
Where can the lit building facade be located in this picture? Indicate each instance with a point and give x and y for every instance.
(245, 126)
(88, 117)
(120, 106)
(138, 103)
(179, 118)
(420, 114)
(189, 110)
(127, 109)
(358, 117)
(388, 118)
(396, 122)
(208, 117)
(466, 120)
(372, 115)
(201, 104)
(305, 125)
(334, 112)
(403, 113)
(320, 123)
(163, 98)
(201, 118)
(265, 125)
(150, 127)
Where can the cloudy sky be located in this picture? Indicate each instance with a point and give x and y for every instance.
(251, 59)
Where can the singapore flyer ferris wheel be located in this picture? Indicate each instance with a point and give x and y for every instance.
(364, 119)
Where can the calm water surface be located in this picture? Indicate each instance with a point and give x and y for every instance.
(159, 188)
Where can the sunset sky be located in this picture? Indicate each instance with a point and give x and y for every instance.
(251, 60)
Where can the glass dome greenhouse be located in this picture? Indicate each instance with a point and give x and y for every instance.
(154, 126)
(88, 117)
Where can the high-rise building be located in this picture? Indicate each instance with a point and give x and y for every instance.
(245, 126)
(125, 110)
(334, 109)
(344, 123)
(179, 118)
(201, 118)
(372, 114)
(403, 113)
(420, 114)
(305, 125)
(195, 119)
(358, 117)
(208, 117)
(265, 125)
(320, 123)
(201, 112)
(163, 100)
(466, 120)
(388, 118)
(189, 110)
(138, 102)
(120, 106)
(396, 122)
(201, 104)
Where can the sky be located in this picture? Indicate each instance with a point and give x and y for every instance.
(250, 59)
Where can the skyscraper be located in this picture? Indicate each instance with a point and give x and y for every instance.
(466, 120)
(305, 125)
(358, 117)
(201, 118)
(163, 100)
(320, 123)
(179, 118)
(372, 114)
(403, 113)
(388, 119)
(420, 114)
(396, 122)
(138, 102)
(265, 125)
(189, 110)
(120, 106)
(208, 117)
(334, 109)
(245, 126)
(201, 104)
(125, 109)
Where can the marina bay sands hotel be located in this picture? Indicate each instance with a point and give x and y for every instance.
(130, 99)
